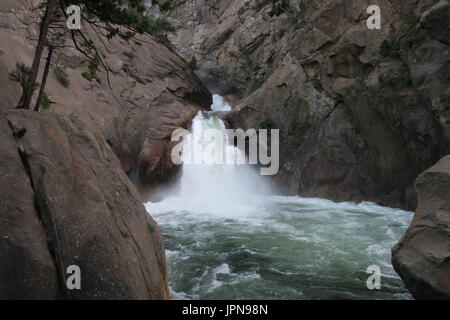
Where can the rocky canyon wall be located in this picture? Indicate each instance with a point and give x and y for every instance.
(146, 94)
(361, 112)
(67, 198)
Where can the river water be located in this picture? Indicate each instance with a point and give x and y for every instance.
(228, 237)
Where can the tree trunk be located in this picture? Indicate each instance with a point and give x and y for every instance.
(44, 77)
(27, 94)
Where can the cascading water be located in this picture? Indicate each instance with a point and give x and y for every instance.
(210, 188)
(227, 238)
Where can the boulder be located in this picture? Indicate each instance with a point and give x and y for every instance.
(436, 21)
(66, 201)
(422, 257)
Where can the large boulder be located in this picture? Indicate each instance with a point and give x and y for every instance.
(66, 201)
(422, 257)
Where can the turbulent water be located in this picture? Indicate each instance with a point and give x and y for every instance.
(227, 238)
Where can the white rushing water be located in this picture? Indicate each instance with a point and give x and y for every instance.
(210, 188)
(228, 238)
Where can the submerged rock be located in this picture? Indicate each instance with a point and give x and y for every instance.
(422, 257)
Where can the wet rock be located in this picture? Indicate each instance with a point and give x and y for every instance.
(422, 257)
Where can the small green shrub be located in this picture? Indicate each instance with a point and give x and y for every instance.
(445, 100)
(295, 129)
(127, 35)
(168, 5)
(94, 65)
(141, 81)
(46, 103)
(150, 228)
(156, 26)
(192, 65)
(61, 76)
(93, 68)
(170, 74)
(385, 48)
(88, 76)
(20, 74)
(165, 41)
(268, 124)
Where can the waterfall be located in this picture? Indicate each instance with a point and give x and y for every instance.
(208, 184)
(228, 237)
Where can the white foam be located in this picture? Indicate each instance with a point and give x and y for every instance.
(225, 201)
(219, 104)
(222, 269)
(223, 190)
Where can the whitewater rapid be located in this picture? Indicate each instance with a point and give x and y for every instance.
(228, 237)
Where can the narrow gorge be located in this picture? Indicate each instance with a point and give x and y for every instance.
(362, 116)
(228, 236)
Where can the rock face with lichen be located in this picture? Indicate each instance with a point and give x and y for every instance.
(422, 257)
(361, 112)
(66, 172)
